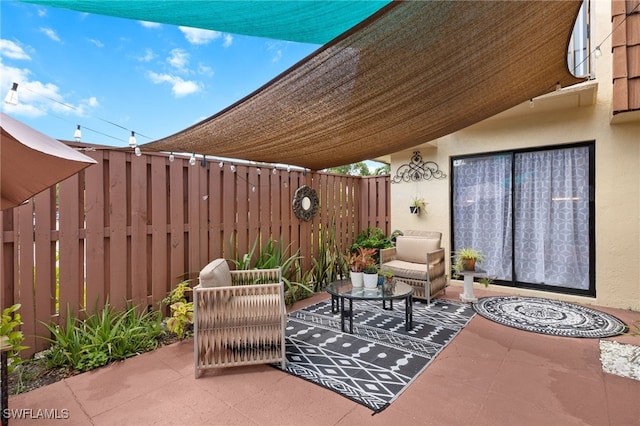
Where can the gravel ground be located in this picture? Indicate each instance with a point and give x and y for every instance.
(620, 359)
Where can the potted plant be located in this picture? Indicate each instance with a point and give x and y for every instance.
(416, 204)
(388, 285)
(357, 261)
(370, 277)
(465, 259)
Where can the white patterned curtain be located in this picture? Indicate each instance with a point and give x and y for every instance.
(550, 192)
(482, 211)
(552, 217)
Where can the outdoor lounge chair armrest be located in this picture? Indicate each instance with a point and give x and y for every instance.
(435, 256)
(387, 254)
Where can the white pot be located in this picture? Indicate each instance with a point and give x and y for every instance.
(370, 280)
(356, 278)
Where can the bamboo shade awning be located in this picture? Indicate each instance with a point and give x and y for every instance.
(411, 73)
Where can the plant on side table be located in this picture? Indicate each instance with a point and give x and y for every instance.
(466, 258)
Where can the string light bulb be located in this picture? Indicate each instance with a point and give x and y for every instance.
(274, 171)
(598, 52)
(233, 168)
(221, 164)
(138, 151)
(171, 157)
(132, 140)
(77, 135)
(531, 103)
(558, 86)
(192, 160)
(12, 96)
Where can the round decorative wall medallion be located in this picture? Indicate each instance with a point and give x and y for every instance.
(305, 203)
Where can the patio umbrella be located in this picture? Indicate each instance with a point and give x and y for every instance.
(31, 161)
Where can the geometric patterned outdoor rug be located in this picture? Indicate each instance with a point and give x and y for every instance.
(551, 317)
(380, 359)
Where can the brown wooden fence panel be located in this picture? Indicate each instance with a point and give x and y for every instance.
(45, 259)
(96, 237)
(128, 229)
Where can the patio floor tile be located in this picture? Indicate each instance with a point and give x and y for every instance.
(488, 375)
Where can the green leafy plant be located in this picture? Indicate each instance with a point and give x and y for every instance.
(372, 238)
(360, 259)
(465, 259)
(328, 264)
(387, 274)
(12, 337)
(272, 255)
(105, 336)
(370, 269)
(181, 309)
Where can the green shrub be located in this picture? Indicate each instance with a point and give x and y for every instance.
(104, 337)
(181, 309)
(8, 332)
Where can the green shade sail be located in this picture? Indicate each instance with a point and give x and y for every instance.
(305, 21)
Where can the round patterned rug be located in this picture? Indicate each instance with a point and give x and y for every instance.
(549, 316)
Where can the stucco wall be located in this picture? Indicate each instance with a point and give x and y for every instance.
(617, 172)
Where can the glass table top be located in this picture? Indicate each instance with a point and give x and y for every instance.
(343, 288)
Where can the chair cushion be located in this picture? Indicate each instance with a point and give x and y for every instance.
(414, 248)
(402, 269)
(215, 274)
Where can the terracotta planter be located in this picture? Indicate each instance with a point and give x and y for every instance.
(468, 264)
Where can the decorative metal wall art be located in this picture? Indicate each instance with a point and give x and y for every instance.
(305, 203)
(418, 170)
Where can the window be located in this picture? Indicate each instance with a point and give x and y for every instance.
(531, 213)
(579, 44)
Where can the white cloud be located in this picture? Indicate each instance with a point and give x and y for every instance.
(179, 59)
(50, 33)
(148, 24)
(228, 39)
(205, 70)
(92, 101)
(147, 57)
(36, 98)
(42, 13)
(199, 36)
(11, 50)
(276, 50)
(179, 87)
(96, 42)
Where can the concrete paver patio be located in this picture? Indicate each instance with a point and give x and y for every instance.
(489, 375)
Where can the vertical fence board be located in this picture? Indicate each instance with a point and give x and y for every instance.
(25, 279)
(176, 205)
(117, 222)
(94, 234)
(139, 215)
(228, 202)
(158, 257)
(45, 261)
(217, 247)
(71, 256)
(192, 226)
(242, 209)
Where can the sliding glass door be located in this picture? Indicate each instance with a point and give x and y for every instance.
(530, 213)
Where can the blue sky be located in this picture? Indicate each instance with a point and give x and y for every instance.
(77, 68)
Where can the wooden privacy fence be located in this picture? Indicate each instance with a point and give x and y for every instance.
(129, 228)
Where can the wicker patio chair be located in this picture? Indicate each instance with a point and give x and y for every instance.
(239, 317)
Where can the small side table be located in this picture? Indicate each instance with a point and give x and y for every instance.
(467, 295)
